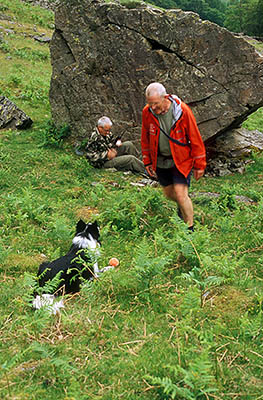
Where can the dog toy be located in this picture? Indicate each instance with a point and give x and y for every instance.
(114, 262)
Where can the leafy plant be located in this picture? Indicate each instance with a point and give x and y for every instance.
(3, 8)
(29, 54)
(227, 201)
(147, 268)
(4, 46)
(194, 382)
(52, 135)
(202, 281)
(15, 79)
(32, 287)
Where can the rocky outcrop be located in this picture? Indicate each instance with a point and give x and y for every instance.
(237, 143)
(42, 38)
(11, 116)
(229, 153)
(104, 55)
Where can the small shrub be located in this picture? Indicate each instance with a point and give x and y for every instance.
(4, 46)
(53, 136)
(203, 282)
(226, 202)
(3, 8)
(15, 80)
(148, 267)
(189, 383)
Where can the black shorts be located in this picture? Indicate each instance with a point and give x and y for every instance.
(171, 176)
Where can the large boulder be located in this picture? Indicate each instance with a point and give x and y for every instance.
(105, 54)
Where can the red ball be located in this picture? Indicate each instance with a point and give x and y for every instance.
(114, 262)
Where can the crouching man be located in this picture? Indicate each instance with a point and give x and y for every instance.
(106, 151)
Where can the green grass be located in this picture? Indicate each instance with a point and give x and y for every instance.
(180, 318)
(25, 68)
(26, 13)
(255, 121)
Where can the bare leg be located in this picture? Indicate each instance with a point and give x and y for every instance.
(179, 193)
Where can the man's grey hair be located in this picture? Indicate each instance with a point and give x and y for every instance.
(154, 89)
(104, 121)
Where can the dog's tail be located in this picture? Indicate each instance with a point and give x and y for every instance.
(49, 301)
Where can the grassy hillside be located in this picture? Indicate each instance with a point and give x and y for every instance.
(25, 63)
(180, 318)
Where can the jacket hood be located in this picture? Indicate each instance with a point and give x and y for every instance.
(177, 107)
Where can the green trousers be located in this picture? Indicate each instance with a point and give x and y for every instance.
(126, 159)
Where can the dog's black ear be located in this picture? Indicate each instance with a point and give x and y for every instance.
(81, 226)
(94, 230)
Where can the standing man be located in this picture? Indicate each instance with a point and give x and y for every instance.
(172, 146)
(105, 150)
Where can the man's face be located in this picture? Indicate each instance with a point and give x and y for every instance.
(104, 130)
(157, 103)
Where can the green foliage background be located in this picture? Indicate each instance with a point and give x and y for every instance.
(236, 15)
(180, 318)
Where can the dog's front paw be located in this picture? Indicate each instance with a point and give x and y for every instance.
(106, 269)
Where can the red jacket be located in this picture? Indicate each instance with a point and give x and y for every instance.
(184, 130)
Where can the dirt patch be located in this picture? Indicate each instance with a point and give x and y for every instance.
(87, 213)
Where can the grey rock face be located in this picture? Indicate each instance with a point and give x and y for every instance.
(11, 116)
(237, 143)
(229, 152)
(104, 55)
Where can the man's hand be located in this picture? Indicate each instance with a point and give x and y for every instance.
(150, 171)
(118, 141)
(112, 153)
(198, 173)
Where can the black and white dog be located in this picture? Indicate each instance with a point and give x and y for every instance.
(78, 265)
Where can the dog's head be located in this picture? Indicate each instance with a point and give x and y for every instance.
(85, 233)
